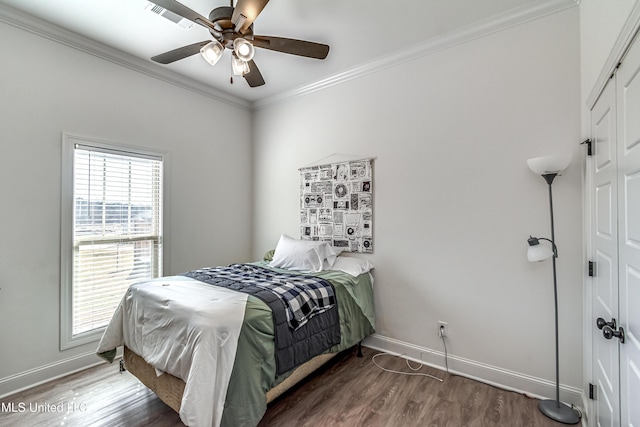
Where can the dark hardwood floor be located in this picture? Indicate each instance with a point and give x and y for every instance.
(348, 391)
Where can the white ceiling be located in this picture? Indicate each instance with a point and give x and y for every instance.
(358, 32)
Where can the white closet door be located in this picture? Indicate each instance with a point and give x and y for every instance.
(605, 238)
(628, 112)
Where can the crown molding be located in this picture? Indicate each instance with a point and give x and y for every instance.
(494, 24)
(463, 35)
(31, 24)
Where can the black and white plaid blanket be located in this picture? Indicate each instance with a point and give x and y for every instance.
(303, 296)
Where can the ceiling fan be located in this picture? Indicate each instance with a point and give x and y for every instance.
(232, 28)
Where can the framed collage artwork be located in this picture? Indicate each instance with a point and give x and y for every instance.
(336, 204)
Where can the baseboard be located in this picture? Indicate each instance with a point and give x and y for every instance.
(492, 375)
(509, 380)
(42, 374)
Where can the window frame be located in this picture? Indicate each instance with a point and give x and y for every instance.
(69, 142)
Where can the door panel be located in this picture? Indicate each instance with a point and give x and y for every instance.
(604, 198)
(606, 297)
(628, 109)
(605, 237)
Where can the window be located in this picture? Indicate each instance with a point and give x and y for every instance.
(111, 231)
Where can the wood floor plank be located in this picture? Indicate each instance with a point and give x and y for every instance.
(347, 392)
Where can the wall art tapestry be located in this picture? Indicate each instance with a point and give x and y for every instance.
(336, 204)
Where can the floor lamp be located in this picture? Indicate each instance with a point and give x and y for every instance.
(550, 167)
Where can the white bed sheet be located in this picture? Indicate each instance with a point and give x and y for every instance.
(187, 328)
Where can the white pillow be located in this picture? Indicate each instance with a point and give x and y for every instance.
(303, 255)
(351, 265)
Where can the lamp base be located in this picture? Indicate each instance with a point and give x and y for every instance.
(559, 411)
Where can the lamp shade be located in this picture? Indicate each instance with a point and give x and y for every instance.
(243, 49)
(539, 253)
(212, 52)
(549, 164)
(239, 67)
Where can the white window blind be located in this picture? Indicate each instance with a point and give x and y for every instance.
(117, 230)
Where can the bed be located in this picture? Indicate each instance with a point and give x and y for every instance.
(256, 374)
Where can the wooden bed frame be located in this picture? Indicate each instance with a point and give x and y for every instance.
(170, 389)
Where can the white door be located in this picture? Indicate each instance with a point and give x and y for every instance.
(605, 240)
(628, 112)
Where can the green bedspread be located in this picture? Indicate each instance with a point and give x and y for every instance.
(254, 368)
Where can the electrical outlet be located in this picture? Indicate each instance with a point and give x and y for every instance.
(443, 328)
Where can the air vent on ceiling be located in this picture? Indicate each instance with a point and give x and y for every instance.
(173, 17)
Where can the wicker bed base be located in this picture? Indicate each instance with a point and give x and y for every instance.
(170, 389)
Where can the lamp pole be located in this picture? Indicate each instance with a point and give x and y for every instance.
(549, 178)
(555, 409)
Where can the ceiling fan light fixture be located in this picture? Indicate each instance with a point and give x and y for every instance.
(243, 49)
(231, 27)
(240, 67)
(212, 52)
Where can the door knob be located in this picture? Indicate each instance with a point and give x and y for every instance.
(609, 333)
(601, 323)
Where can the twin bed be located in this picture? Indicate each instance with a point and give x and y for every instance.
(215, 372)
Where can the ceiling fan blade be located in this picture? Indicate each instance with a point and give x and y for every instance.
(292, 46)
(250, 9)
(185, 12)
(253, 77)
(180, 53)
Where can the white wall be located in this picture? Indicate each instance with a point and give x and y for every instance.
(454, 199)
(47, 88)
